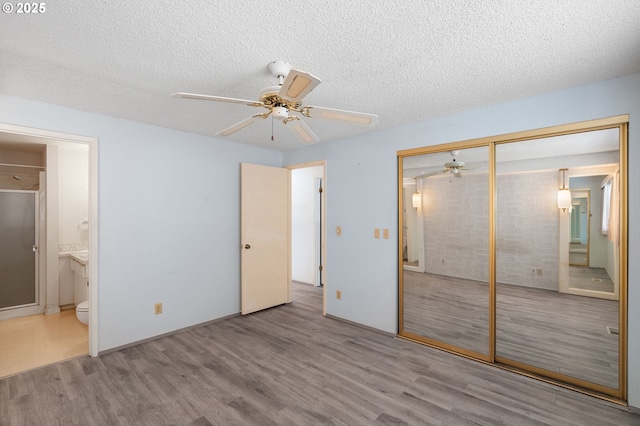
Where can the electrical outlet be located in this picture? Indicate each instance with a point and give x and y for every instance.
(443, 260)
(338, 230)
(338, 294)
(158, 308)
(533, 271)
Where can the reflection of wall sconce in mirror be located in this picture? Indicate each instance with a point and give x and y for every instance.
(564, 194)
(416, 200)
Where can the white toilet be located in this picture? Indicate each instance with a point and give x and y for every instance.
(82, 312)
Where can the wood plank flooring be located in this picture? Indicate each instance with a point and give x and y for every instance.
(558, 332)
(448, 309)
(292, 366)
(585, 278)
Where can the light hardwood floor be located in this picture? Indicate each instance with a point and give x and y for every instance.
(38, 340)
(290, 365)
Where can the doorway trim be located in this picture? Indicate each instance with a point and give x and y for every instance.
(25, 135)
(319, 215)
(323, 223)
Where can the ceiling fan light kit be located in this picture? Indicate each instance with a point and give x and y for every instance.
(280, 113)
(283, 99)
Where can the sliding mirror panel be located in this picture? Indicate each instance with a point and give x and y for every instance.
(444, 245)
(558, 262)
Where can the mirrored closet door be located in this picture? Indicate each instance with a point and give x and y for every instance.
(513, 251)
(557, 312)
(446, 301)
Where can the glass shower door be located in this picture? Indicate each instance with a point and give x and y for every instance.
(17, 254)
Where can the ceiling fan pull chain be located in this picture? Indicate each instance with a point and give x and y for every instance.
(272, 128)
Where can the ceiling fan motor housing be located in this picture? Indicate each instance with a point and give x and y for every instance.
(454, 164)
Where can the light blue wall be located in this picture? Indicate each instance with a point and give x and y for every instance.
(168, 220)
(362, 192)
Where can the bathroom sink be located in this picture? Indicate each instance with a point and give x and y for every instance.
(80, 260)
(81, 257)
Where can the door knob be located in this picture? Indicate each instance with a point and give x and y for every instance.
(247, 246)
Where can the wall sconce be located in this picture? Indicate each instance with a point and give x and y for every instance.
(416, 200)
(564, 194)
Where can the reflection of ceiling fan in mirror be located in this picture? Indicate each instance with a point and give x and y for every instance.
(284, 99)
(454, 167)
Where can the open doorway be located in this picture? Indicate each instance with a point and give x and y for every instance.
(50, 164)
(308, 225)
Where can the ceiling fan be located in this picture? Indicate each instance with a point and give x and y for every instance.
(283, 102)
(454, 167)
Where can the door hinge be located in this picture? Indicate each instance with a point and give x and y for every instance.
(320, 190)
(320, 268)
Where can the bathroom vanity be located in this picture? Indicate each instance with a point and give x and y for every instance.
(74, 277)
(79, 265)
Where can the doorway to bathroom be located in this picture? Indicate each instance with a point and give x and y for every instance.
(44, 164)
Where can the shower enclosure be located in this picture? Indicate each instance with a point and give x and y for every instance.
(18, 249)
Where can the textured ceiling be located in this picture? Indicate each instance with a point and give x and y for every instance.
(406, 61)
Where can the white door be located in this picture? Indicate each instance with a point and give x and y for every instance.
(265, 237)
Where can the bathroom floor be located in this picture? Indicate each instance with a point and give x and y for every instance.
(38, 340)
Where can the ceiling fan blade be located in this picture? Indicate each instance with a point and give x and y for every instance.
(473, 169)
(297, 85)
(340, 115)
(241, 124)
(431, 173)
(215, 98)
(303, 131)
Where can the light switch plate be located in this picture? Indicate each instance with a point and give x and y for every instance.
(385, 233)
(376, 233)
